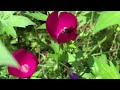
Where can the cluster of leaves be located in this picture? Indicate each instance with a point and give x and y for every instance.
(93, 55)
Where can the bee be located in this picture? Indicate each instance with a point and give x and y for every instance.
(66, 30)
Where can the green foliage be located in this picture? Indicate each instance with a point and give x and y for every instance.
(55, 47)
(20, 21)
(8, 21)
(95, 54)
(106, 19)
(43, 26)
(6, 58)
(105, 70)
(71, 58)
(8, 29)
(81, 20)
(38, 16)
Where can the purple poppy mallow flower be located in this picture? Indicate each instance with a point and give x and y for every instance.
(28, 64)
(62, 27)
(74, 76)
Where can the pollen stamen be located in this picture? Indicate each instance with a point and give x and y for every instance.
(25, 68)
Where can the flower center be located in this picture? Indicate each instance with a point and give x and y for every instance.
(25, 68)
(67, 30)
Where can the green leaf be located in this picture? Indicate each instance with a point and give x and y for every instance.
(36, 74)
(55, 67)
(72, 46)
(55, 46)
(71, 58)
(49, 63)
(118, 29)
(93, 65)
(38, 16)
(3, 71)
(88, 76)
(104, 70)
(1, 29)
(8, 21)
(103, 58)
(54, 56)
(106, 19)
(6, 58)
(90, 61)
(43, 26)
(6, 14)
(35, 78)
(8, 29)
(81, 20)
(79, 54)
(85, 12)
(63, 57)
(114, 69)
(20, 21)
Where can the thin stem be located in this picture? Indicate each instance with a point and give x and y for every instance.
(100, 42)
(88, 43)
(103, 40)
(76, 13)
(63, 65)
(91, 21)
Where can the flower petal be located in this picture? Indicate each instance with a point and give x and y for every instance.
(32, 62)
(51, 24)
(67, 20)
(13, 71)
(74, 76)
(19, 55)
(65, 38)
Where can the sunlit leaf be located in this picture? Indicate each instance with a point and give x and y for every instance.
(6, 58)
(38, 16)
(43, 26)
(20, 21)
(104, 70)
(106, 19)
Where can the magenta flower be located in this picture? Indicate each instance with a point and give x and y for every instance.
(62, 28)
(28, 63)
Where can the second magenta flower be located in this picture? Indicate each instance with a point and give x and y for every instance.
(28, 64)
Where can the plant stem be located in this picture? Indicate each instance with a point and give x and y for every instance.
(100, 42)
(88, 43)
(91, 21)
(76, 13)
(63, 65)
